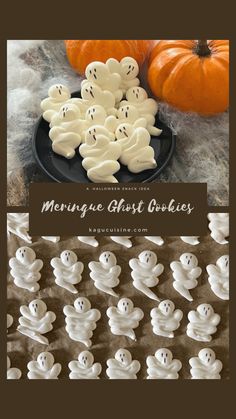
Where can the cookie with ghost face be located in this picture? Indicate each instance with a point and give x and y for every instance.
(122, 366)
(67, 270)
(163, 366)
(105, 273)
(165, 319)
(58, 95)
(145, 273)
(100, 157)
(92, 94)
(36, 321)
(25, 269)
(185, 274)
(203, 323)
(99, 74)
(138, 97)
(124, 318)
(205, 366)
(128, 70)
(81, 320)
(43, 368)
(85, 368)
(12, 373)
(219, 277)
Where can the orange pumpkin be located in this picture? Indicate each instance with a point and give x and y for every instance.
(82, 52)
(191, 75)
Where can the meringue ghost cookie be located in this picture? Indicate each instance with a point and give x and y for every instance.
(12, 373)
(163, 366)
(190, 239)
(128, 70)
(99, 74)
(145, 273)
(67, 270)
(122, 366)
(123, 240)
(165, 319)
(54, 239)
(185, 274)
(138, 97)
(202, 323)
(25, 269)
(92, 94)
(95, 130)
(105, 273)
(96, 115)
(18, 224)
(136, 153)
(124, 318)
(155, 239)
(90, 240)
(58, 94)
(219, 277)
(9, 321)
(36, 321)
(100, 159)
(85, 368)
(44, 368)
(219, 226)
(81, 320)
(205, 366)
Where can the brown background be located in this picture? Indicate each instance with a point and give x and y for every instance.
(21, 349)
(182, 20)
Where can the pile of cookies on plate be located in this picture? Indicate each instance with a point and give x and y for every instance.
(111, 123)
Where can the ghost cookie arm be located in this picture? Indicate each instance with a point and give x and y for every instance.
(37, 265)
(195, 273)
(158, 269)
(134, 264)
(55, 371)
(215, 319)
(212, 270)
(70, 311)
(56, 263)
(193, 316)
(96, 268)
(134, 367)
(217, 366)
(140, 122)
(96, 369)
(175, 366)
(115, 270)
(137, 314)
(24, 310)
(78, 267)
(176, 267)
(151, 361)
(178, 315)
(111, 123)
(195, 362)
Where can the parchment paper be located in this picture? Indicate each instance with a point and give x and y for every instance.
(22, 349)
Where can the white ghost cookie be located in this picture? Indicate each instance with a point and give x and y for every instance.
(202, 323)
(100, 159)
(165, 319)
(136, 153)
(122, 366)
(124, 318)
(219, 277)
(128, 114)
(99, 73)
(58, 94)
(163, 366)
(12, 373)
(53, 239)
(95, 130)
(18, 224)
(90, 240)
(146, 107)
(185, 274)
(145, 273)
(155, 239)
(9, 321)
(85, 368)
(219, 226)
(205, 366)
(67, 270)
(66, 131)
(105, 273)
(25, 269)
(92, 94)
(190, 239)
(44, 368)
(128, 70)
(36, 321)
(123, 240)
(81, 320)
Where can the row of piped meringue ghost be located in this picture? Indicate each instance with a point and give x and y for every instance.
(18, 224)
(122, 366)
(25, 269)
(81, 319)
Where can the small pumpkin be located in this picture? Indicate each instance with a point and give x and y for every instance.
(191, 75)
(82, 52)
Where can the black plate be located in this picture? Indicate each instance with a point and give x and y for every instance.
(61, 169)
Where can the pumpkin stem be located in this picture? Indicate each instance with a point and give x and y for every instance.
(202, 48)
